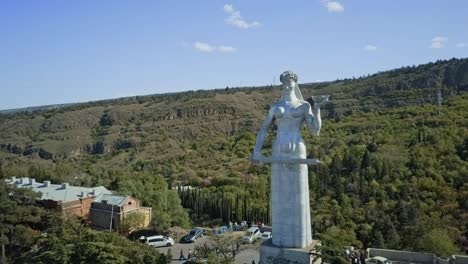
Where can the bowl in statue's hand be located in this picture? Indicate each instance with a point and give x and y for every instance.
(320, 99)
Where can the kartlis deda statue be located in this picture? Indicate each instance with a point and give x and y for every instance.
(291, 223)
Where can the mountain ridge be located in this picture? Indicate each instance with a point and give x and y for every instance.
(104, 126)
(112, 100)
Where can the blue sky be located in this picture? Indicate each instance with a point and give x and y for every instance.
(74, 51)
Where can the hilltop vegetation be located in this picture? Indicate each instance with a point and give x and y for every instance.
(394, 171)
(113, 126)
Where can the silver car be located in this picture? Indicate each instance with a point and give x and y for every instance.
(193, 235)
(265, 236)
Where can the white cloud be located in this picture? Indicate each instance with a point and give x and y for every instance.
(438, 42)
(370, 47)
(462, 44)
(203, 47)
(226, 49)
(333, 6)
(228, 8)
(208, 48)
(235, 18)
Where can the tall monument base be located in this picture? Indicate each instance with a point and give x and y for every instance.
(271, 254)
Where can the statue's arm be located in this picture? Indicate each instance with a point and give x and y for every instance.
(262, 133)
(313, 118)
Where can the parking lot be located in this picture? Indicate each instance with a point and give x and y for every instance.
(246, 255)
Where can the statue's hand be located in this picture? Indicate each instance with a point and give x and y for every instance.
(320, 99)
(257, 158)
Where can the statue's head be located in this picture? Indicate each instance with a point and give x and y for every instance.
(289, 81)
(288, 76)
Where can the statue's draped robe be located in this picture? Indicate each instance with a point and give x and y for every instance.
(290, 193)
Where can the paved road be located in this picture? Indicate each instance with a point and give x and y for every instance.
(175, 250)
(246, 255)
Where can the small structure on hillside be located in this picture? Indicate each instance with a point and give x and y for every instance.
(100, 206)
(117, 208)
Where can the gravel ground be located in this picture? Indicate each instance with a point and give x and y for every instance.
(246, 256)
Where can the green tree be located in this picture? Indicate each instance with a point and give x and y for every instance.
(73, 243)
(20, 219)
(439, 242)
(132, 222)
(225, 247)
(334, 240)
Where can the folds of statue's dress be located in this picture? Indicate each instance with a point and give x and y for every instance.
(290, 189)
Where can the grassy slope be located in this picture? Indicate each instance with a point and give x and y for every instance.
(201, 132)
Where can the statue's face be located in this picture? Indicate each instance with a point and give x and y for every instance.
(288, 81)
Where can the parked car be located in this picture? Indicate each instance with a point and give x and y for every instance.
(265, 236)
(377, 260)
(251, 235)
(195, 261)
(193, 235)
(158, 241)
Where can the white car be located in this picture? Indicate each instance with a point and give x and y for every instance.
(377, 260)
(158, 241)
(265, 236)
(251, 235)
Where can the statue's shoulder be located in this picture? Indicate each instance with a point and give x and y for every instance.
(305, 105)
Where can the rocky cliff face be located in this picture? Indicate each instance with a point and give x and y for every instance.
(11, 148)
(26, 151)
(113, 127)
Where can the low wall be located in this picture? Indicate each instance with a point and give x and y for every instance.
(459, 259)
(415, 257)
(403, 256)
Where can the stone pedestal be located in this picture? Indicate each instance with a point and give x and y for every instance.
(271, 254)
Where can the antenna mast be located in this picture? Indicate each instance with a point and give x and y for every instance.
(438, 81)
(439, 100)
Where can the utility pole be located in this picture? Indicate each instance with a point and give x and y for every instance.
(111, 218)
(3, 249)
(439, 79)
(439, 100)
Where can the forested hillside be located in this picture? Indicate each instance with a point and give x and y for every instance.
(394, 171)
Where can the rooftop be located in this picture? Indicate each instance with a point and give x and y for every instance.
(113, 199)
(60, 192)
